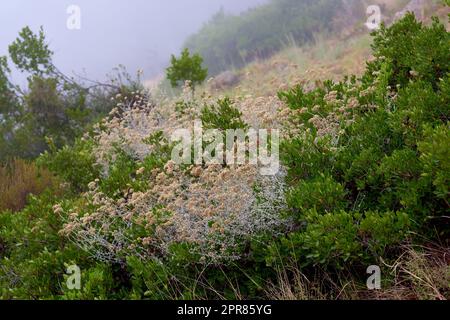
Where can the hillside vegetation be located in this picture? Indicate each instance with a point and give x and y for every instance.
(364, 179)
(232, 41)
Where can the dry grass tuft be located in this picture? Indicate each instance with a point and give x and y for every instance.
(20, 178)
(293, 285)
(420, 273)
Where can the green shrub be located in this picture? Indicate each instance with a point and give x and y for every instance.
(381, 230)
(405, 46)
(330, 239)
(97, 283)
(322, 193)
(222, 116)
(306, 157)
(434, 157)
(341, 239)
(33, 255)
(186, 68)
(382, 157)
(121, 174)
(75, 165)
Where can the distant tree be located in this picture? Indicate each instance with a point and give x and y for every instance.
(7, 95)
(44, 102)
(30, 52)
(53, 105)
(186, 68)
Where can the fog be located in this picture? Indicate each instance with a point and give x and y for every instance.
(140, 34)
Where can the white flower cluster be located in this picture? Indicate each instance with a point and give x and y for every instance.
(214, 208)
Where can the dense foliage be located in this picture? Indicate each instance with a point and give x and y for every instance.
(365, 170)
(222, 116)
(371, 166)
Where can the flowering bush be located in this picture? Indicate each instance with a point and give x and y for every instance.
(223, 117)
(141, 203)
(213, 209)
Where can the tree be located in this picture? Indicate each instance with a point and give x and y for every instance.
(7, 95)
(54, 105)
(186, 68)
(30, 52)
(45, 103)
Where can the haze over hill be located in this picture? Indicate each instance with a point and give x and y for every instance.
(137, 34)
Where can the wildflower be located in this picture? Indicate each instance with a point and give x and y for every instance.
(414, 73)
(316, 108)
(155, 172)
(147, 241)
(57, 209)
(160, 178)
(170, 167)
(352, 103)
(196, 171)
(92, 185)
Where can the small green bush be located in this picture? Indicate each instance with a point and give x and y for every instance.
(328, 239)
(322, 193)
(222, 116)
(33, 255)
(434, 157)
(186, 68)
(76, 164)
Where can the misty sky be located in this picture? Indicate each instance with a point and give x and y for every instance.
(135, 33)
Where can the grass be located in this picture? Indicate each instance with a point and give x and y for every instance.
(420, 273)
(326, 58)
(19, 179)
